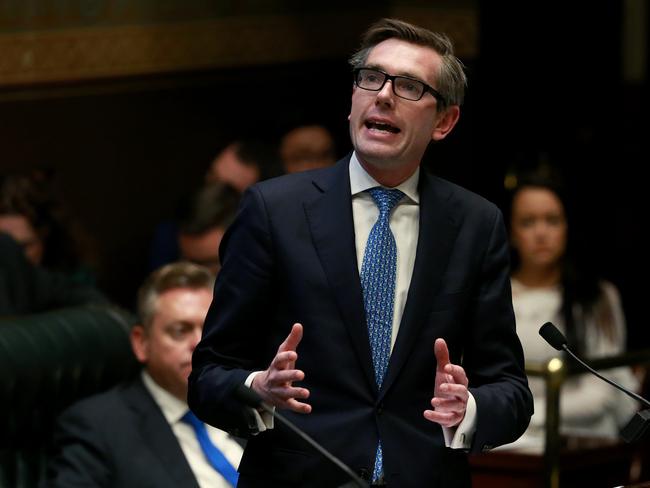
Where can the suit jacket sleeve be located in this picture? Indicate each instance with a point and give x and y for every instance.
(238, 333)
(81, 458)
(493, 355)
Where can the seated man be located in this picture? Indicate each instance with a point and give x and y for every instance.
(196, 233)
(27, 288)
(203, 224)
(141, 433)
(307, 147)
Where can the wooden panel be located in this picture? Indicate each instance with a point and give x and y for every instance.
(110, 51)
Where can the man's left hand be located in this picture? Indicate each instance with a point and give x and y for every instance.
(450, 394)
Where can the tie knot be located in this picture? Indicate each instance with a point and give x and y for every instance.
(385, 199)
(191, 419)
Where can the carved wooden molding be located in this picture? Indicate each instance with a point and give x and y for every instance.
(111, 52)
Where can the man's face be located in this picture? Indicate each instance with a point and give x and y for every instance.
(202, 249)
(22, 231)
(166, 346)
(388, 131)
(228, 168)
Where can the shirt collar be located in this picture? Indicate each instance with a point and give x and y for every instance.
(172, 408)
(361, 181)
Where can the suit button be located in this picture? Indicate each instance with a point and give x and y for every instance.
(380, 409)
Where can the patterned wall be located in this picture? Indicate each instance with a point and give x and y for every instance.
(45, 41)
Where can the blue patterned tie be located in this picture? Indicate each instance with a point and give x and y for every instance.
(212, 453)
(378, 284)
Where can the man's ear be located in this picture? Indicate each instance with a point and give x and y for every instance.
(445, 122)
(140, 343)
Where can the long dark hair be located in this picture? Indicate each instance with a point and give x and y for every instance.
(34, 195)
(581, 290)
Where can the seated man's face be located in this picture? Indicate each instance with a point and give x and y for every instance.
(166, 345)
(22, 231)
(202, 248)
(228, 168)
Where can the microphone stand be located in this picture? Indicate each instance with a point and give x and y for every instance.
(253, 400)
(638, 425)
(356, 482)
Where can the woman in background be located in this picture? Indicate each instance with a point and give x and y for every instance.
(32, 213)
(548, 284)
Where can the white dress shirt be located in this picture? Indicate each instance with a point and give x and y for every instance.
(173, 410)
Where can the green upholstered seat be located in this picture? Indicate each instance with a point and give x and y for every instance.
(47, 362)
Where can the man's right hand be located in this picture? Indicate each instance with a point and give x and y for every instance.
(275, 384)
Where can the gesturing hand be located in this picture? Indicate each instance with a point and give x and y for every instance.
(275, 384)
(450, 395)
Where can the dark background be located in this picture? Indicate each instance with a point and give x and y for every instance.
(547, 80)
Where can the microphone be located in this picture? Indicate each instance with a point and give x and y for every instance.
(249, 397)
(639, 424)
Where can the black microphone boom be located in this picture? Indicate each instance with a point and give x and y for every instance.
(250, 398)
(640, 423)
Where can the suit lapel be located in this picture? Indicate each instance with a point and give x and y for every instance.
(332, 227)
(436, 237)
(157, 432)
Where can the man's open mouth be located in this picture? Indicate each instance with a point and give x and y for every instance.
(382, 127)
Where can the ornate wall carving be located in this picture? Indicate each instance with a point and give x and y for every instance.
(110, 39)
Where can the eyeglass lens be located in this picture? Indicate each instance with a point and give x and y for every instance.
(370, 79)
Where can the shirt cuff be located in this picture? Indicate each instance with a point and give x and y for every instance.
(460, 437)
(263, 419)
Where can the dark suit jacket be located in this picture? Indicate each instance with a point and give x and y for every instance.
(290, 257)
(117, 439)
(25, 288)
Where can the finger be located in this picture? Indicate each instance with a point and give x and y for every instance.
(292, 340)
(457, 373)
(284, 360)
(452, 390)
(443, 418)
(448, 405)
(287, 393)
(442, 353)
(298, 407)
(284, 376)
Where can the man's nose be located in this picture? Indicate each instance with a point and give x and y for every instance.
(386, 94)
(196, 338)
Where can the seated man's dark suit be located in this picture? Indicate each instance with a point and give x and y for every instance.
(119, 438)
(26, 288)
(290, 257)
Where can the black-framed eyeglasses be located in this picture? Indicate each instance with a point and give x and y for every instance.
(403, 86)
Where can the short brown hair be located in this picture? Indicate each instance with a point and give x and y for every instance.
(175, 275)
(451, 79)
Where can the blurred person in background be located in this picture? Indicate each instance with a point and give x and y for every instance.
(243, 163)
(195, 235)
(32, 212)
(551, 283)
(141, 432)
(307, 147)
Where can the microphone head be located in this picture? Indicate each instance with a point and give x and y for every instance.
(248, 396)
(553, 336)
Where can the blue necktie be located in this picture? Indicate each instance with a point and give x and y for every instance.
(378, 284)
(212, 453)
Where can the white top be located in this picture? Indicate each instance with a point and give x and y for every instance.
(588, 405)
(173, 409)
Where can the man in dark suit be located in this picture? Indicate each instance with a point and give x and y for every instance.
(137, 435)
(27, 288)
(403, 354)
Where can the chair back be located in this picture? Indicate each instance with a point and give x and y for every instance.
(47, 362)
